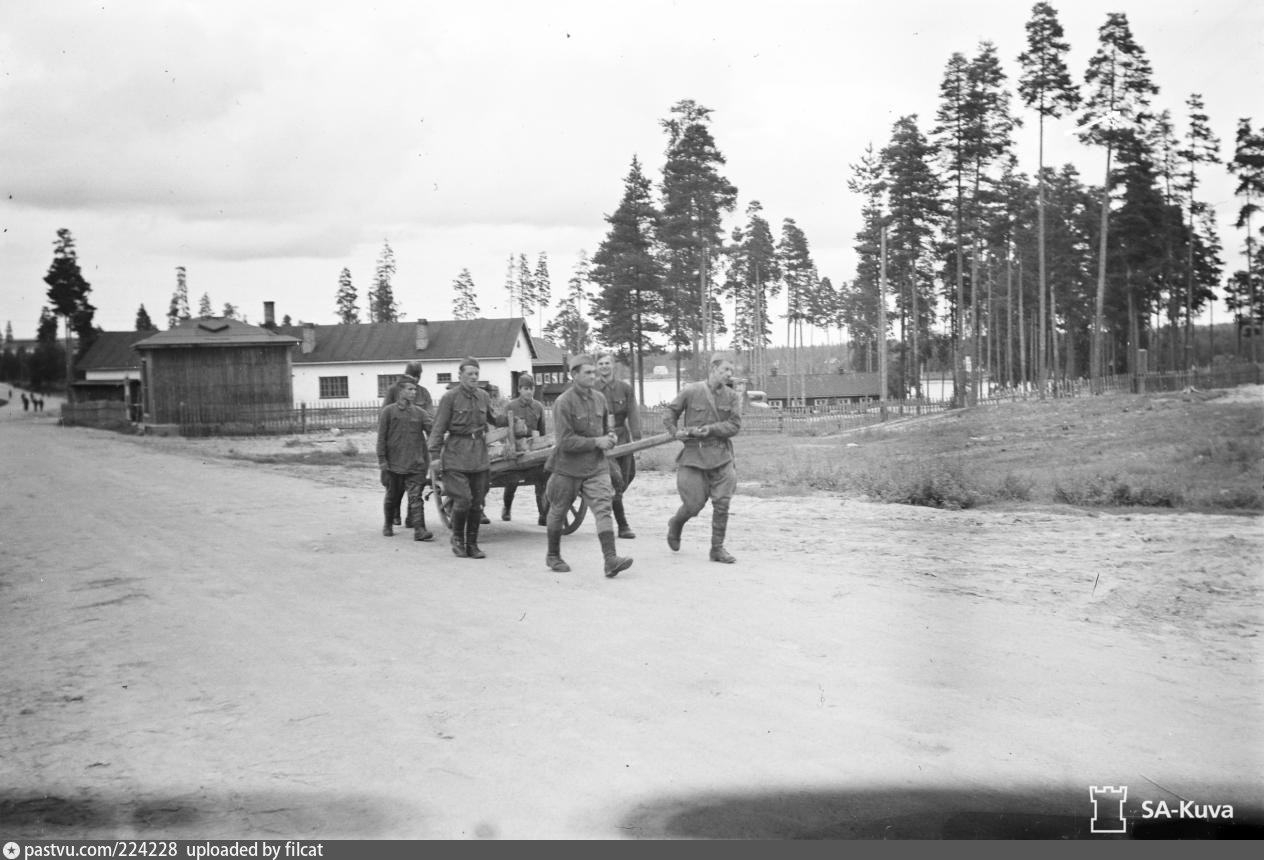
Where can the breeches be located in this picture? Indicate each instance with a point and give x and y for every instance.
(561, 493)
(695, 486)
(468, 490)
(626, 466)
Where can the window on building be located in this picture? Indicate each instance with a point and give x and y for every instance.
(334, 387)
(444, 378)
(385, 382)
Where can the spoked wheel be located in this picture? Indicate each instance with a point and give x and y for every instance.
(575, 515)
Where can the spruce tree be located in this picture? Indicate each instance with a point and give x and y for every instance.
(570, 328)
(68, 293)
(347, 300)
(382, 304)
(628, 305)
(464, 297)
(179, 307)
(205, 311)
(1244, 294)
(143, 322)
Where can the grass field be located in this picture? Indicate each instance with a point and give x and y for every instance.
(1181, 451)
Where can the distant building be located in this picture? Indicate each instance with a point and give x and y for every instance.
(213, 367)
(821, 390)
(550, 371)
(358, 362)
(111, 371)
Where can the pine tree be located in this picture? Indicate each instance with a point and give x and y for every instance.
(511, 284)
(628, 306)
(695, 198)
(753, 276)
(143, 322)
(526, 288)
(1245, 292)
(1047, 87)
(382, 304)
(798, 272)
(179, 308)
(347, 299)
(1120, 88)
(68, 292)
(464, 298)
(230, 311)
(952, 116)
(1201, 147)
(915, 198)
(859, 301)
(543, 290)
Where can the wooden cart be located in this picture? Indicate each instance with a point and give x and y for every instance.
(523, 463)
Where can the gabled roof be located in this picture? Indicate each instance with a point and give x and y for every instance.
(215, 332)
(112, 350)
(448, 340)
(824, 385)
(546, 353)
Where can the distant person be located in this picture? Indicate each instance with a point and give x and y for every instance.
(621, 402)
(579, 465)
(526, 416)
(26, 405)
(459, 456)
(402, 458)
(412, 370)
(709, 415)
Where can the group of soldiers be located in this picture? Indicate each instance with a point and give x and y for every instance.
(419, 443)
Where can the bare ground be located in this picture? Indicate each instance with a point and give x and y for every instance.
(197, 646)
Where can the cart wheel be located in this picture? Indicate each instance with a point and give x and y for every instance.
(575, 515)
(443, 504)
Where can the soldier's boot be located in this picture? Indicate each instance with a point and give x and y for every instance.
(615, 564)
(621, 519)
(418, 521)
(674, 525)
(553, 559)
(387, 512)
(399, 503)
(542, 507)
(458, 533)
(504, 512)
(719, 525)
(482, 518)
(471, 534)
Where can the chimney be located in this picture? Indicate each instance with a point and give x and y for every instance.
(309, 337)
(423, 334)
(269, 314)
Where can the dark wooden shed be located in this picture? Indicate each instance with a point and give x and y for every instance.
(215, 370)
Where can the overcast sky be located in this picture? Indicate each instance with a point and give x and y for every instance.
(266, 145)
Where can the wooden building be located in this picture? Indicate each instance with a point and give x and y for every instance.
(206, 369)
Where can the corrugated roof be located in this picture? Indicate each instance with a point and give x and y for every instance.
(824, 385)
(449, 339)
(112, 350)
(214, 332)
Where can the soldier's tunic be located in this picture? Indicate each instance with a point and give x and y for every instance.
(578, 465)
(626, 419)
(704, 466)
(458, 444)
(401, 454)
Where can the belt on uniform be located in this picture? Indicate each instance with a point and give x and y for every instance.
(620, 422)
(473, 434)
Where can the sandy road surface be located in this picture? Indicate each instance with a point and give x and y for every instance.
(198, 648)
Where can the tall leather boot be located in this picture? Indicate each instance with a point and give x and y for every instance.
(719, 525)
(614, 563)
(388, 512)
(621, 519)
(471, 533)
(459, 519)
(553, 560)
(674, 525)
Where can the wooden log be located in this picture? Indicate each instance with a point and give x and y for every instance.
(527, 459)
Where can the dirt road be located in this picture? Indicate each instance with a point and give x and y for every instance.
(198, 648)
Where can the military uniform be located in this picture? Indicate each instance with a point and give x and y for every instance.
(704, 466)
(411, 371)
(626, 420)
(579, 467)
(458, 448)
(403, 462)
(531, 414)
